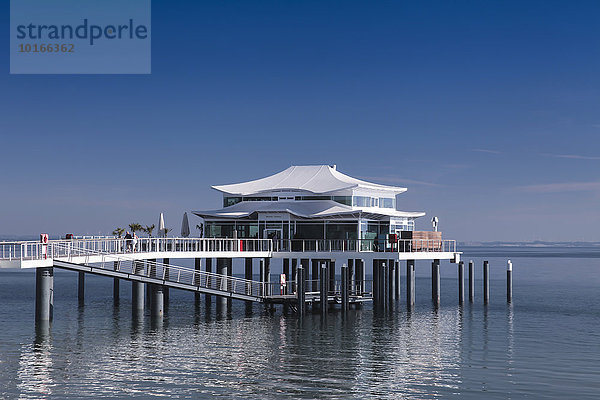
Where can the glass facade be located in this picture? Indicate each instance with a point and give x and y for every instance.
(356, 201)
(385, 202)
(229, 201)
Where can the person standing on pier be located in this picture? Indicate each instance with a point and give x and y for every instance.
(128, 240)
(135, 241)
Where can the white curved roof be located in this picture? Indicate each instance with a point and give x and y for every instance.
(302, 209)
(318, 179)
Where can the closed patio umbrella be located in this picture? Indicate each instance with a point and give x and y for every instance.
(185, 226)
(161, 225)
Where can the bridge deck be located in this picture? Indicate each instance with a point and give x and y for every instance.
(31, 254)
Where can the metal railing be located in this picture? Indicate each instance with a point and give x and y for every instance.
(166, 272)
(33, 250)
(355, 288)
(363, 245)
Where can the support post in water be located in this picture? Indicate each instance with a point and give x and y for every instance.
(210, 281)
(509, 281)
(158, 303)
(486, 282)
(375, 285)
(166, 262)
(383, 285)
(137, 289)
(116, 284)
(197, 270)
(471, 281)
(44, 294)
(222, 282)
(300, 281)
(461, 283)
(435, 277)
(323, 288)
(410, 283)
(391, 280)
(81, 288)
(397, 279)
(345, 288)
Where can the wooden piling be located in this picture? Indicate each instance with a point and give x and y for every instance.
(383, 288)
(323, 280)
(300, 282)
(81, 288)
(376, 291)
(486, 282)
(397, 279)
(435, 281)
(461, 283)
(116, 284)
(391, 280)
(471, 281)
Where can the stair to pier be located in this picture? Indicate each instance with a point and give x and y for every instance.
(147, 271)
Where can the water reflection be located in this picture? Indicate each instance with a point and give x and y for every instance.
(362, 353)
(35, 364)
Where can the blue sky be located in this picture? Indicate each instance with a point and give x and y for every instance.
(486, 111)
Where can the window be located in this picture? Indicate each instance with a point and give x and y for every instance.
(316, 197)
(229, 201)
(385, 202)
(347, 200)
(361, 201)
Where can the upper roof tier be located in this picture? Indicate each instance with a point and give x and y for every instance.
(318, 179)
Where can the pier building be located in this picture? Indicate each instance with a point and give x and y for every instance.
(314, 235)
(315, 202)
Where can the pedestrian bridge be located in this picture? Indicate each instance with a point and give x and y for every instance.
(136, 266)
(33, 254)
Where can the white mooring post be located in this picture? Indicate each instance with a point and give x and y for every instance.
(509, 281)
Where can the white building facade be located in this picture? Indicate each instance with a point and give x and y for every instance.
(315, 202)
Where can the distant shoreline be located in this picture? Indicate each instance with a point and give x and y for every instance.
(540, 244)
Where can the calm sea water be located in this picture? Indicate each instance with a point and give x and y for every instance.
(545, 345)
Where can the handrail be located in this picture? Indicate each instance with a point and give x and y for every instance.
(32, 250)
(171, 273)
(364, 245)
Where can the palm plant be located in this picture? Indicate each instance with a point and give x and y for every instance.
(135, 227)
(166, 231)
(148, 229)
(118, 232)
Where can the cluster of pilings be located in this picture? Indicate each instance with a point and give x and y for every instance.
(143, 294)
(386, 283)
(313, 276)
